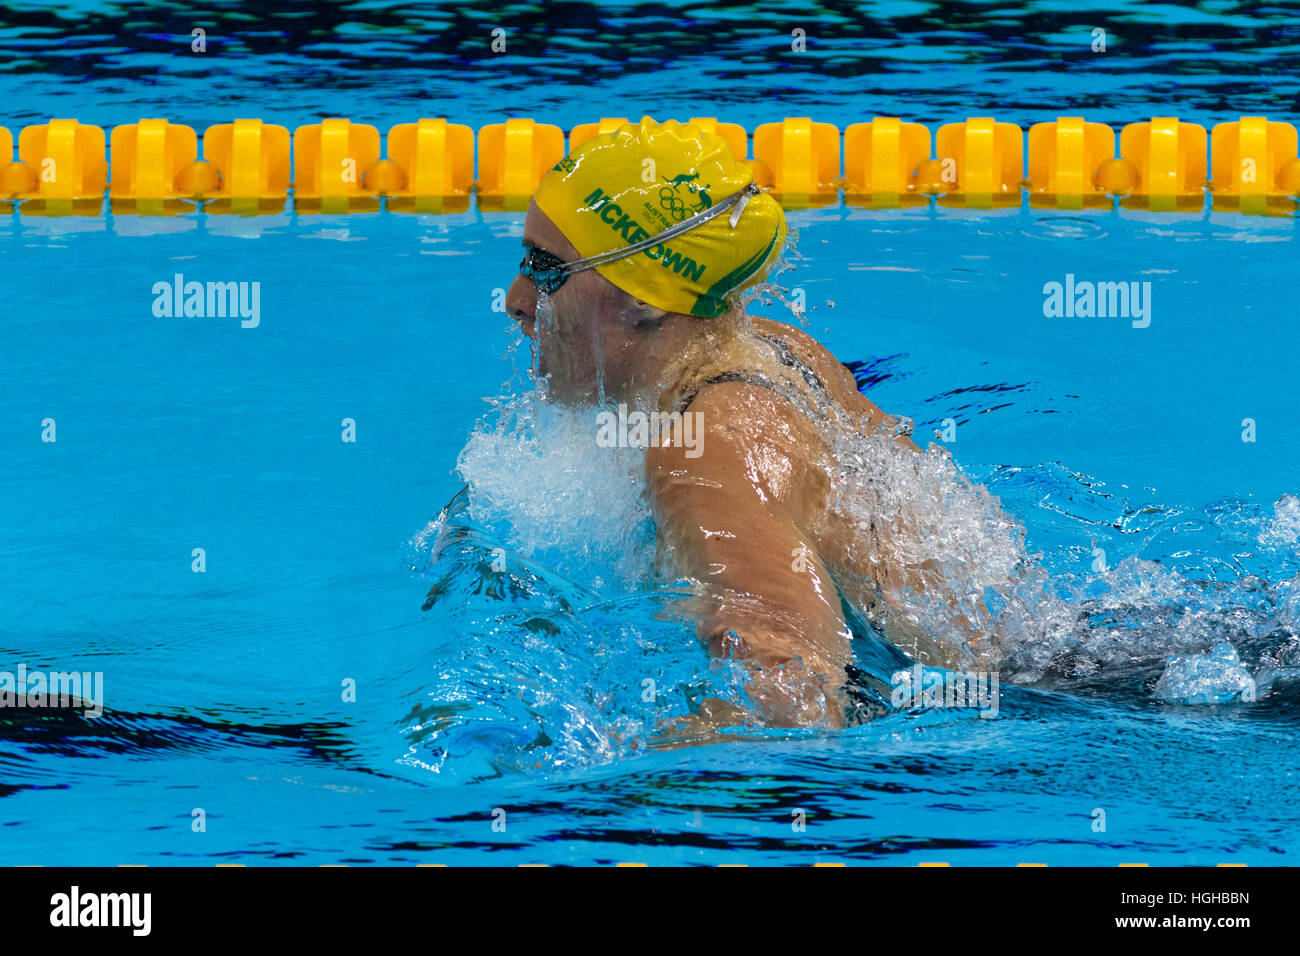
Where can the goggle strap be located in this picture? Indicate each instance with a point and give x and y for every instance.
(739, 200)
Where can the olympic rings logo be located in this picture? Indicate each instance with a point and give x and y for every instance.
(670, 201)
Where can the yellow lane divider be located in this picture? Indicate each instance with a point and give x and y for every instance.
(336, 165)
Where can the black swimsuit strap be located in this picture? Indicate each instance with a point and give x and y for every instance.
(754, 377)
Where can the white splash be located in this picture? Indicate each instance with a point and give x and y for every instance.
(1284, 530)
(1213, 678)
(538, 478)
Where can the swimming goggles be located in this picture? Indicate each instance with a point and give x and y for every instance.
(548, 271)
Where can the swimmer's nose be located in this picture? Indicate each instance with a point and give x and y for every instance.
(521, 304)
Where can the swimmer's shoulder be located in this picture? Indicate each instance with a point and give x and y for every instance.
(835, 376)
(750, 436)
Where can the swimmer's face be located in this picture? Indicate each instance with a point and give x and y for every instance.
(594, 326)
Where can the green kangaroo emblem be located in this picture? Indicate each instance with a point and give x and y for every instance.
(669, 200)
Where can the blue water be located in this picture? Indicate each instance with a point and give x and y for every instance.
(521, 690)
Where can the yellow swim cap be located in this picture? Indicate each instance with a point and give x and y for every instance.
(624, 187)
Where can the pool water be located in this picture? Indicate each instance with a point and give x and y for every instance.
(298, 692)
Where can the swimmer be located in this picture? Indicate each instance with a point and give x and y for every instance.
(629, 288)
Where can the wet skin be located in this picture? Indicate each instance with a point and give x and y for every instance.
(748, 518)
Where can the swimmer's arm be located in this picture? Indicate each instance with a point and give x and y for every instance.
(732, 516)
